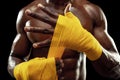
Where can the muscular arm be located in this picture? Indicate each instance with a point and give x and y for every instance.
(108, 64)
(20, 47)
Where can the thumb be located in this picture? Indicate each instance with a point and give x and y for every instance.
(67, 8)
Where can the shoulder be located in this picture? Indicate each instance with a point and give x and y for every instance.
(22, 18)
(96, 13)
(93, 10)
(21, 13)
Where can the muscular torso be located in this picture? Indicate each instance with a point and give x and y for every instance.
(70, 57)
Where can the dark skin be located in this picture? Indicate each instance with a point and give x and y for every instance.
(35, 26)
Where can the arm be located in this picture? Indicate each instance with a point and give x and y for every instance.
(108, 64)
(18, 66)
(20, 47)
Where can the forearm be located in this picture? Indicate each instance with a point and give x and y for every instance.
(12, 62)
(79, 39)
(108, 65)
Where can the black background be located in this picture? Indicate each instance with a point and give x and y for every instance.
(9, 10)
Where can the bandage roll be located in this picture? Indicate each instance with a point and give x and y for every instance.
(36, 69)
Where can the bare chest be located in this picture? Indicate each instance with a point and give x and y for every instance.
(80, 13)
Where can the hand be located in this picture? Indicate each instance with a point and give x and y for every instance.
(47, 16)
(50, 18)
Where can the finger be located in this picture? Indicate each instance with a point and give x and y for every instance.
(59, 64)
(48, 11)
(61, 78)
(41, 17)
(44, 43)
(39, 30)
(59, 72)
(37, 15)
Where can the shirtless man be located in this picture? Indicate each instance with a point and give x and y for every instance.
(72, 65)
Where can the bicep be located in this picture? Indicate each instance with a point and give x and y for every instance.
(105, 39)
(101, 33)
(110, 57)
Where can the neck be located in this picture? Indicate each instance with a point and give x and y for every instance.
(78, 2)
(58, 2)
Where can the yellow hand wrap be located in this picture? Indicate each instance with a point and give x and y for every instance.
(36, 69)
(69, 33)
